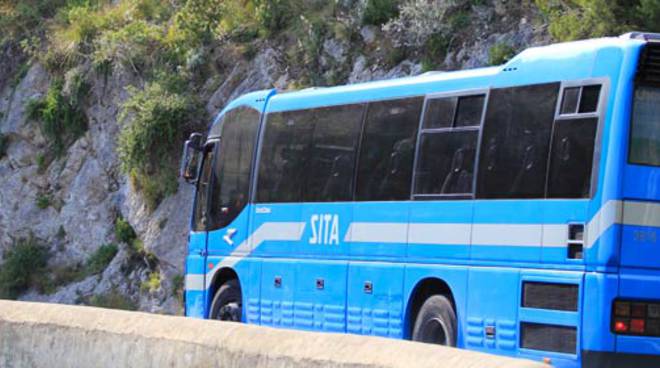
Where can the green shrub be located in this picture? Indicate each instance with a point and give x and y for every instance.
(113, 300)
(100, 259)
(149, 144)
(572, 20)
(500, 53)
(152, 283)
(378, 12)
(275, 15)
(43, 201)
(124, 231)
(24, 265)
(435, 50)
(20, 19)
(62, 119)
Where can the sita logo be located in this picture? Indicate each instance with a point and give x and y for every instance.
(325, 229)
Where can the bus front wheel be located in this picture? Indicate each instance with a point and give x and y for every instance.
(436, 322)
(227, 302)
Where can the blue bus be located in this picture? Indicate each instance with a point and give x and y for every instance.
(512, 209)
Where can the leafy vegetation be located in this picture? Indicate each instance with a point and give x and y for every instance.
(378, 12)
(43, 201)
(577, 19)
(98, 261)
(159, 116)
(500, 53)
(124, 231)
(152, 283)
(24, 266)
(62, 119)
(113, 300)
(65, 275)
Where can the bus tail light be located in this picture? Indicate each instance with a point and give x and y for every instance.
(636, 318)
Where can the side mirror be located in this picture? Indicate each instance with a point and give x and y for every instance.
(190, 160)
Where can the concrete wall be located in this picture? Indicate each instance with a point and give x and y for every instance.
(48, 335)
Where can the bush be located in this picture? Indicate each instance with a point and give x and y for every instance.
(274, 15)
(149, 144)
(500, 53)
(138, 47)
(62, 119)
(20, 19)
(24, 266)
(572, 20)
(152, 283)
(113, 300)
(124, 231)
(435, 49)
(43, 201)
(379, 12)
(98, 261)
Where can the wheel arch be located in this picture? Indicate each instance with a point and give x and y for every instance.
(221, 276)
(423, 289)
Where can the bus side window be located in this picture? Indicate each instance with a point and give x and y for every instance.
(515, 142)
(231, 174)
(445, 165)
(284, 156)
(387, 150)
(571, 158)
(334, 144)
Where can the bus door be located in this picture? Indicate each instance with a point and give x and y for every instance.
(229, 239)
(196, 258)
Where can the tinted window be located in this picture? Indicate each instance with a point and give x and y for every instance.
(515, 142)
(589, 99)
(446, 163)
(440, 113)
(470, 109)
(570, 100)
(572, 158)
(645, 130)
(231, 183)
(284, 155)
(201, 201)
(387, 150)
(332, 154)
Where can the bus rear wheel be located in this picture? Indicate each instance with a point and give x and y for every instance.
(227, 302)
(436, 322)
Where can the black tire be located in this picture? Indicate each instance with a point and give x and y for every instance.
(436, 322)
(227, 303)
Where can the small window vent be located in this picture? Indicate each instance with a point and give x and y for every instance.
(541, 295)
(648, 70)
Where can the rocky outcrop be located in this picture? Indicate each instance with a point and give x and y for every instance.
(86, 191)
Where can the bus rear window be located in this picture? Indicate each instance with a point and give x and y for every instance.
(645, 129)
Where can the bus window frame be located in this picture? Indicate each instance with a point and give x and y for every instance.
(421, 130)
(599, 114)
(215, 143)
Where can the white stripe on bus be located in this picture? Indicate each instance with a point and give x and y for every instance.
(268, 231)
(552, 235)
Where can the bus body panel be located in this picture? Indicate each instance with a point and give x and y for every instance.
(357, 266)
(375, 299)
